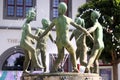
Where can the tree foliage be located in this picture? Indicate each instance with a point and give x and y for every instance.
(110, 12)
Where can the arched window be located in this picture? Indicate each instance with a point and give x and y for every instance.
(14, 62)
(12, 59)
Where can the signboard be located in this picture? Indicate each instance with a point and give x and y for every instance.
(106, 72)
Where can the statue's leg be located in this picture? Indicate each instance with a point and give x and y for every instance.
(33, 55)
(26, 61)
(59, 59)
(36, 60)
(83, 56)
(43, 58)
(39, 54)
(93, 56)
(77, 53)
(72, 56)
(33, 62)
(96, 64)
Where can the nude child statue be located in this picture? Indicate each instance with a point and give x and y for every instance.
(42, 42)
(26, 43)
(80, 38)
(61, 24)
(98, 42)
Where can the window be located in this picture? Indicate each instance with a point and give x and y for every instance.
(88, 0)
(14, 62)
(106, 72)
(17, 8)
(54, 8)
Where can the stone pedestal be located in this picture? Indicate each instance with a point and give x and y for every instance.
(62, 76)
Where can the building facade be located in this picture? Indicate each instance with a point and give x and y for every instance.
(12, 17)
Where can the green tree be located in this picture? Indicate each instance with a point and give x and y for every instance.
(110, 19)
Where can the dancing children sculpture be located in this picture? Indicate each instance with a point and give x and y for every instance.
(26, 43)
(61, 24)
(98, 42)
(42, 42)
(80, 38)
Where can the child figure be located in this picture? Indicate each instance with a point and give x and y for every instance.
(80, 38)
(26, 43)
(42, 42)
(98, 42)
(61, 24)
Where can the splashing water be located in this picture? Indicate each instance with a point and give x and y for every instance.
(106, 27)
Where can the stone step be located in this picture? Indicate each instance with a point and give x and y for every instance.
(61, 76)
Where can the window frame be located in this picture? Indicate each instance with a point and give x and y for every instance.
(69, 8)
(106, 70)
(15, 16)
